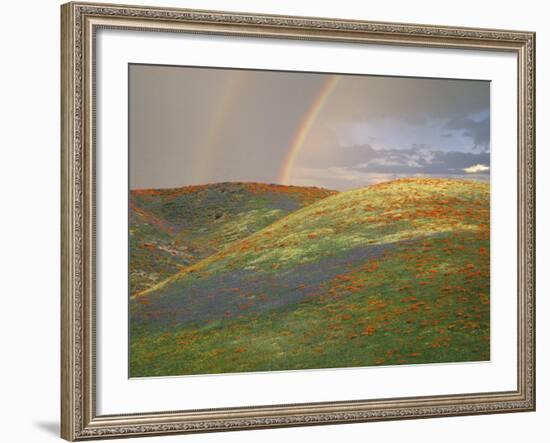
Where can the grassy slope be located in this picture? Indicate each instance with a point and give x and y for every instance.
(173, 228)
(389, 274)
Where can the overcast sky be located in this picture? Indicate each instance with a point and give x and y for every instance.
(197, 125)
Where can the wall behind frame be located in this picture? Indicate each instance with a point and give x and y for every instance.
(29, 219)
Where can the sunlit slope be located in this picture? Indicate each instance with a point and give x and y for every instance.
(173, 228)
(392, 273)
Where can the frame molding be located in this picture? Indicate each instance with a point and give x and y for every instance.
(79, 21)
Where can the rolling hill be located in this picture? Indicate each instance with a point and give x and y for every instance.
(173, 228)
(392, 273)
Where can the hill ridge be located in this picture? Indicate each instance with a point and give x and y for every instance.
(247, 184)
(196, 267)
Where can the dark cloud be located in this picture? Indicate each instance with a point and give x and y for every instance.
(327, 152)
(422, 161)
(478, 131)
(351, 155)
(419, 146)
(416, 101)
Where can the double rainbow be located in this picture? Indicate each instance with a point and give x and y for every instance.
(232, 88)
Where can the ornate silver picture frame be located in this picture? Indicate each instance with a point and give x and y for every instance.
(80, 24)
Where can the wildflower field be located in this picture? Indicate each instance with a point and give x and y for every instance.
(242, 277)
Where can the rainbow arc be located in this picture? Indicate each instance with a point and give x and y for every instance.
(305, 127)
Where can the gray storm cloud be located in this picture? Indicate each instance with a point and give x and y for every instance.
(478, 131)
(421, 161)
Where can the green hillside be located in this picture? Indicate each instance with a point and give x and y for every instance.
(389, 274)
(173, 228)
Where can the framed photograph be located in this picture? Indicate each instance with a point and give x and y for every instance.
(282, 221)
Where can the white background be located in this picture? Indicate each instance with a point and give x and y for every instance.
(117, 394)
(29, 327)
